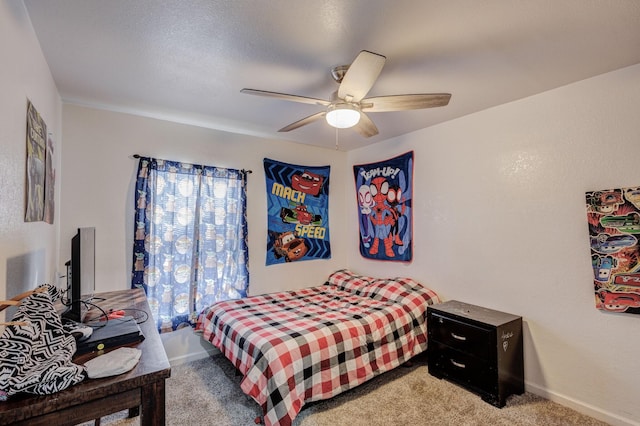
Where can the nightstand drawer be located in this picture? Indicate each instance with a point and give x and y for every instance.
(463, 368)
(476, 341)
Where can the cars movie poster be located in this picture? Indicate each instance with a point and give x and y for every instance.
(298, 212)
(614, 230)
(384, 192)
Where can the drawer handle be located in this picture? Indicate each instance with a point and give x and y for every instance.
(458, 364)
(458, 337)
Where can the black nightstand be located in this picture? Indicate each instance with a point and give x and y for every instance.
(477, 348)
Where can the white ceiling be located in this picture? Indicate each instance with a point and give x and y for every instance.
(186, 60)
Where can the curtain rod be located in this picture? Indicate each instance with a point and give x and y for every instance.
(242, 170)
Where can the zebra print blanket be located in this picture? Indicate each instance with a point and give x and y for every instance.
(36, 358)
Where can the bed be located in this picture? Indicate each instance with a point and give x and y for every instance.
(306, 345)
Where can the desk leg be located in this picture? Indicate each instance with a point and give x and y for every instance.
(134, 412)
(153, 404)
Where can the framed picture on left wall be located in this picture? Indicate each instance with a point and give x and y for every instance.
(49, 182)
(35, 167)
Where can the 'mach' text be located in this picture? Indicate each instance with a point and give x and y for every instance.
(288, 193)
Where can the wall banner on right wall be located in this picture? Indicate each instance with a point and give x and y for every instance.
(385, 191)
(614, 229)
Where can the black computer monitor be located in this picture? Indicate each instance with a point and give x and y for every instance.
(80, 274)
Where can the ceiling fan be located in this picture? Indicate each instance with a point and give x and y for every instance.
(348, 106)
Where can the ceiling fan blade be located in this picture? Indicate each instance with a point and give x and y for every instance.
(304, 121)
(285, 97)
(365, 126)
(405, 102)
(360, 76)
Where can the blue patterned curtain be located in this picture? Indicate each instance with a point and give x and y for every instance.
(190, 247)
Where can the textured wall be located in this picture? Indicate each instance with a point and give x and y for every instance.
(500, 221)
(28, 251)
(98, 184)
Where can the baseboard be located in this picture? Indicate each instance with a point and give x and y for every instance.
(183, 359)
(581, 407)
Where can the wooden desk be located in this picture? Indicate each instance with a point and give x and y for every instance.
(142, 387)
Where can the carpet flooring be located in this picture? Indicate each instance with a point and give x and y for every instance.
(207, 392)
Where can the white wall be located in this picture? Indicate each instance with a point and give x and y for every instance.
(500, 221)
(27, 250)
(99, 178)
(98, 184)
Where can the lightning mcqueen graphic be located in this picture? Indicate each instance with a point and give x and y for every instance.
(627, 279)
(307, 182)
(617, 301)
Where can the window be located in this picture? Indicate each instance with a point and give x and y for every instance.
(190, 247)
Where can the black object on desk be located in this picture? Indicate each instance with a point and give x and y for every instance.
(115, 332)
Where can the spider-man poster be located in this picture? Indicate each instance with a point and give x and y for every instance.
(384, 191)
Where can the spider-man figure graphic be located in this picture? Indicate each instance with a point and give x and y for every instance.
(394, 198)
(382, 217)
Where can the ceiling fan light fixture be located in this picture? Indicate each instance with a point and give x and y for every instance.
(343, 115)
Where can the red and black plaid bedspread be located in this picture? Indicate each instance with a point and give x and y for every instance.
(314, 343)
